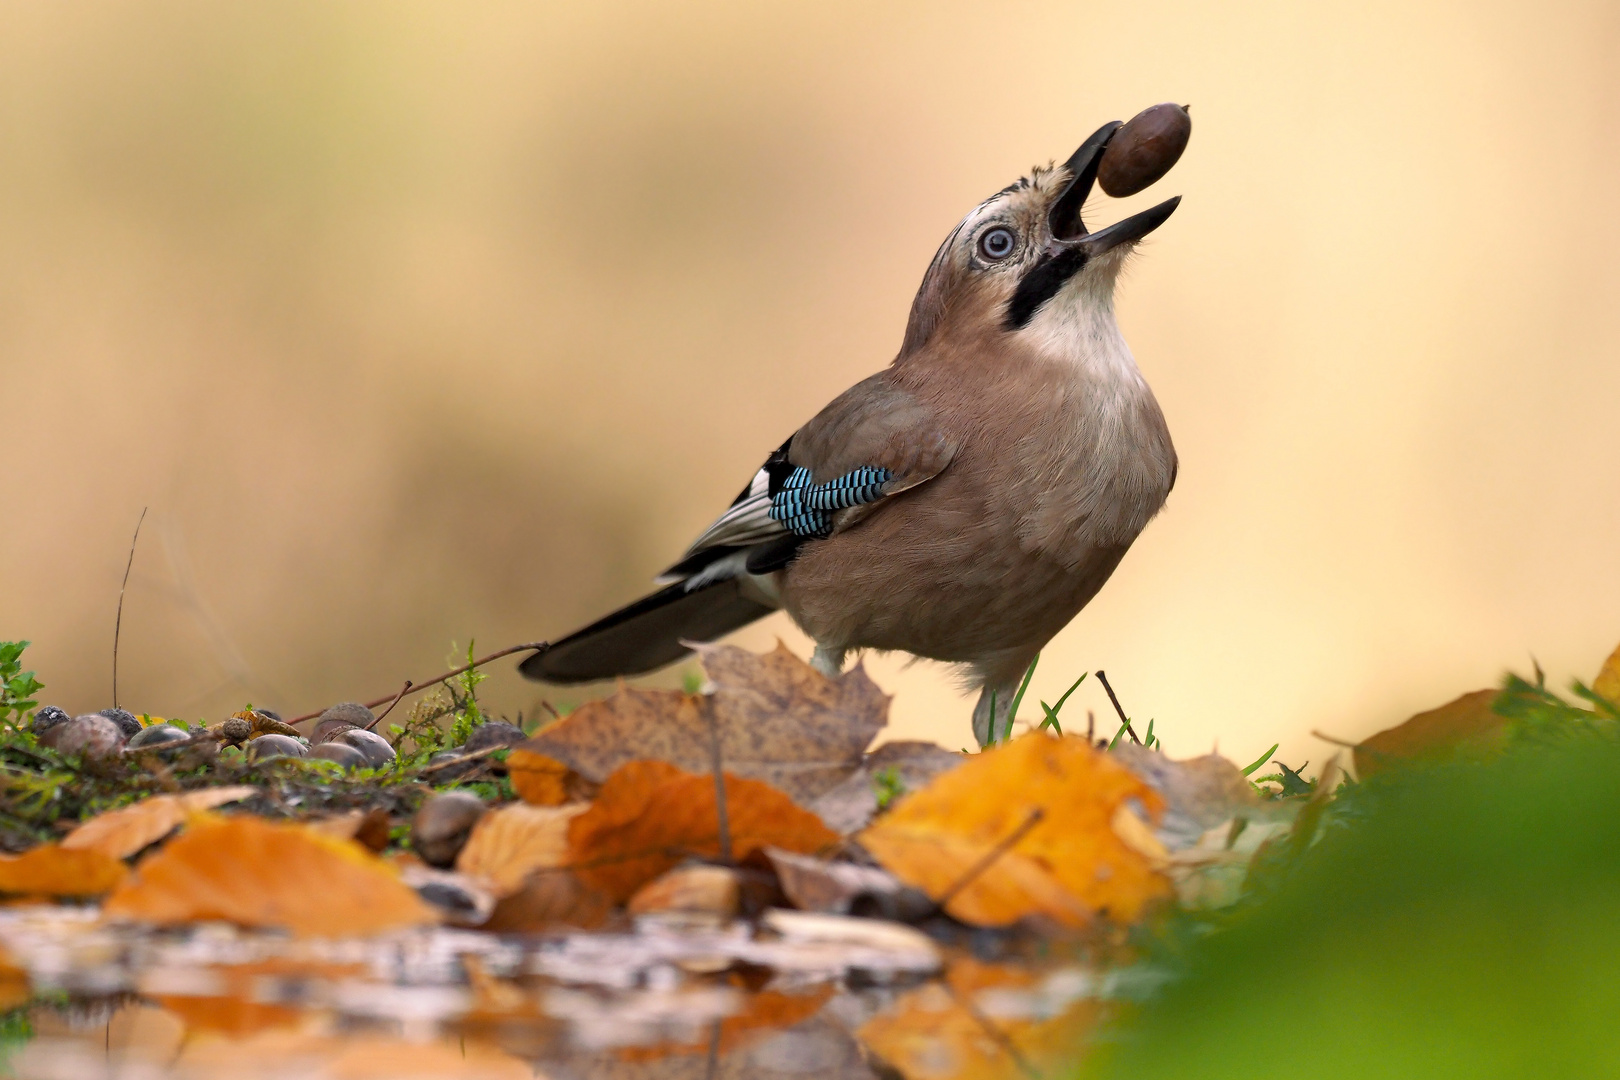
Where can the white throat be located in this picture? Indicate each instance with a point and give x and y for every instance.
(1076, 328)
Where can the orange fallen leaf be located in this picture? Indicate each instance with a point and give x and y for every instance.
(777, 719)
(123, 832)
(1607, 683)
(257, 873)
(265, 725)
(1466, 725)
(651, 815)
(53, 870)
(538, 779)
(548, 899)
(1068, 865)
(508, 844)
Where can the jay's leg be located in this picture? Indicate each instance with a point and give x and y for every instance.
(1002, 677)
(828, 661)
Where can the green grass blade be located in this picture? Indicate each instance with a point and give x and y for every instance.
(1261, 760)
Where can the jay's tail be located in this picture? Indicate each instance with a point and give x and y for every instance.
(647, 634)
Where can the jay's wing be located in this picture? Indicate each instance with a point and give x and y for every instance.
(873, 441)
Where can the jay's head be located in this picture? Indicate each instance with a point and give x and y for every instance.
(1023, 261)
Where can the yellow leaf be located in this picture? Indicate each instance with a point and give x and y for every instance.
(52, 870)
(509, 844)
(651, 815)
(123, 832)
(1607, 683)
(257, 873)
(1068, 865)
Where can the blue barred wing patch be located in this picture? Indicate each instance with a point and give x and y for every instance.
(806, 509)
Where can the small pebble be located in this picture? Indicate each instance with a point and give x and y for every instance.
(92, 736)
(339, 753)
(441, 826)
(375, 748)
(269, 746)
(494, 733)
(236, 730)
(126, 722)
(49, 717)
(1142, 151)
(157, 735)
(451, 772)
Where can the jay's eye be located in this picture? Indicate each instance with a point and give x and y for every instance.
(998, 243)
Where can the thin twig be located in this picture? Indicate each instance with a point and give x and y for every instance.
(712, 1068)
(118, 623)
(416, 688)
(721, 816)
(1103, 678)
(202, 736)
(989, 857)
(379, 718)
(476, 755)
(1336, 742)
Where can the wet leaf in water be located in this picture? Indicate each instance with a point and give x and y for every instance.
(257, 873)
(53, 870)
(538, 779)
(1465, 725)
(778, 720)
(762, 1015)
(651, 815)
(123, 832)
(1068, 864)
(943, 1032)
(510, 843)
(14, 988)
(235, 1009)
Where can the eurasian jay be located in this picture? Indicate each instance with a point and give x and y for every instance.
(963, 504)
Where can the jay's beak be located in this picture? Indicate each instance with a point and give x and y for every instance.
(1069, 232)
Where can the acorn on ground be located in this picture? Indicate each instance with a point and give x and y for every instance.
(378, 753)
(92, 736)
(49, 717)
(126, 721)
(442, 824)
(341, 754)
(269, 746)
(149, 738)
(494, 733)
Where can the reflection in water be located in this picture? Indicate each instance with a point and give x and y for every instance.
(673, 998)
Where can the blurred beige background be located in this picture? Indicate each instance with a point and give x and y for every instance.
(417, 322)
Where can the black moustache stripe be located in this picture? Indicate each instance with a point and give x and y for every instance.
(1040, 284)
